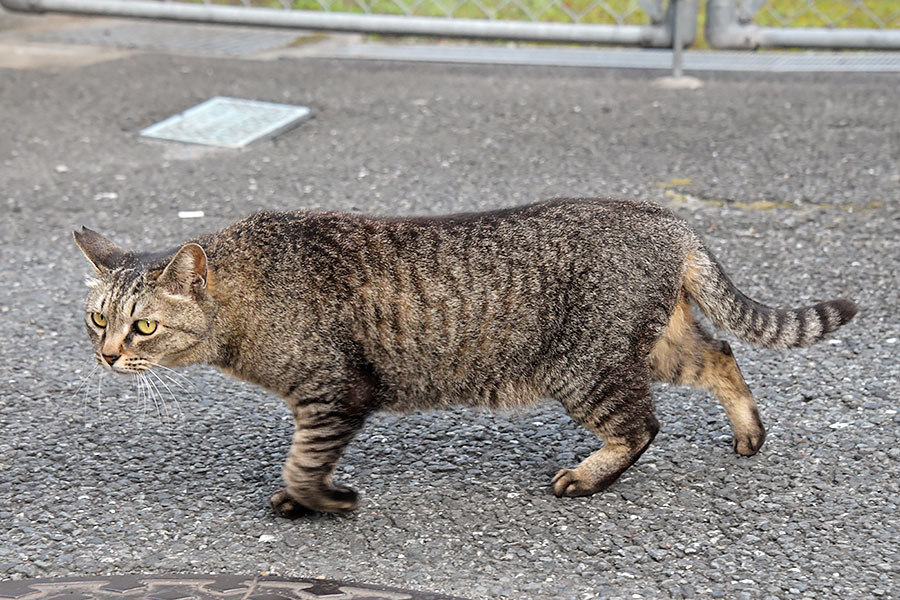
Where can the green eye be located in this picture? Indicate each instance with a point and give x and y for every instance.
(98, 319)
(144, 326)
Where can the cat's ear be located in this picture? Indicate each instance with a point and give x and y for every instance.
(103, 253)
(186, 272)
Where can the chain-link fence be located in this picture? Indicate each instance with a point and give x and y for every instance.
(613, 12)
(863, 14)
(618, 22)
(861, 24)
(729, 23)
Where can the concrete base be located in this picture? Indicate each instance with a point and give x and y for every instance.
(678, 83)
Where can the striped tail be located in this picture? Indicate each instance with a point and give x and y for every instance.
(727, 307)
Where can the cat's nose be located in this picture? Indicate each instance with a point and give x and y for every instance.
(111, 358)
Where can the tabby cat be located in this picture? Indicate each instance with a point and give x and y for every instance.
(584, 300)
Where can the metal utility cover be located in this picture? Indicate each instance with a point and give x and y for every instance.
(228, 122)
(213, 587)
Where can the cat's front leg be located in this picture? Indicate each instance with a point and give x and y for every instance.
(322, 430)
(622, 414)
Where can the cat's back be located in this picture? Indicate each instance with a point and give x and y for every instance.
(540, 248)
(263, 233)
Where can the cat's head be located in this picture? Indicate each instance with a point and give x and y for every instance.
(145, 310)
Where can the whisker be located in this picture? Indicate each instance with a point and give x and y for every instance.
(150, 394)
(83, 389)
(177, 405)
(145, 398)
(167, 374)
(170, 372)
(99, 390)
(162, 400)
(142, 405)
(84, 379)
(148, 397)
(175, 382)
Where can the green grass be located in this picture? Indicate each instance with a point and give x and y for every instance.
(564, 11)
(831, 13)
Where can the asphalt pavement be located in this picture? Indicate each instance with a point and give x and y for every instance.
(793, 180)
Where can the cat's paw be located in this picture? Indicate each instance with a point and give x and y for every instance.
(573, 483)
(334, 499)
(286, 507)
(748, 444)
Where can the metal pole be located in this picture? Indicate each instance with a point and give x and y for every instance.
(787, 37)
(676, 40)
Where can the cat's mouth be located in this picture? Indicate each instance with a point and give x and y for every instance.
(124, 365)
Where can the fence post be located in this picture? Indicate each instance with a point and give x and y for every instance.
(721, 25)
(676, 40)
(681, 20)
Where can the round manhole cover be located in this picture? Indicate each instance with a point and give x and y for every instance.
(219, 587)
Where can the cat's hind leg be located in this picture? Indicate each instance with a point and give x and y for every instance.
(622, 415)
(321, 434)
(685, 354)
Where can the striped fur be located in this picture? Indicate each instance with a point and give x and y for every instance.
(586, 301)
(708, 285)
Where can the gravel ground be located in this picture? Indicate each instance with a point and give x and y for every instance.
(792, 179)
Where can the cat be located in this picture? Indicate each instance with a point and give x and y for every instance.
(583, 300)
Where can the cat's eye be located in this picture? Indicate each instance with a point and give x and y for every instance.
(145, 326)
(98, 319)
